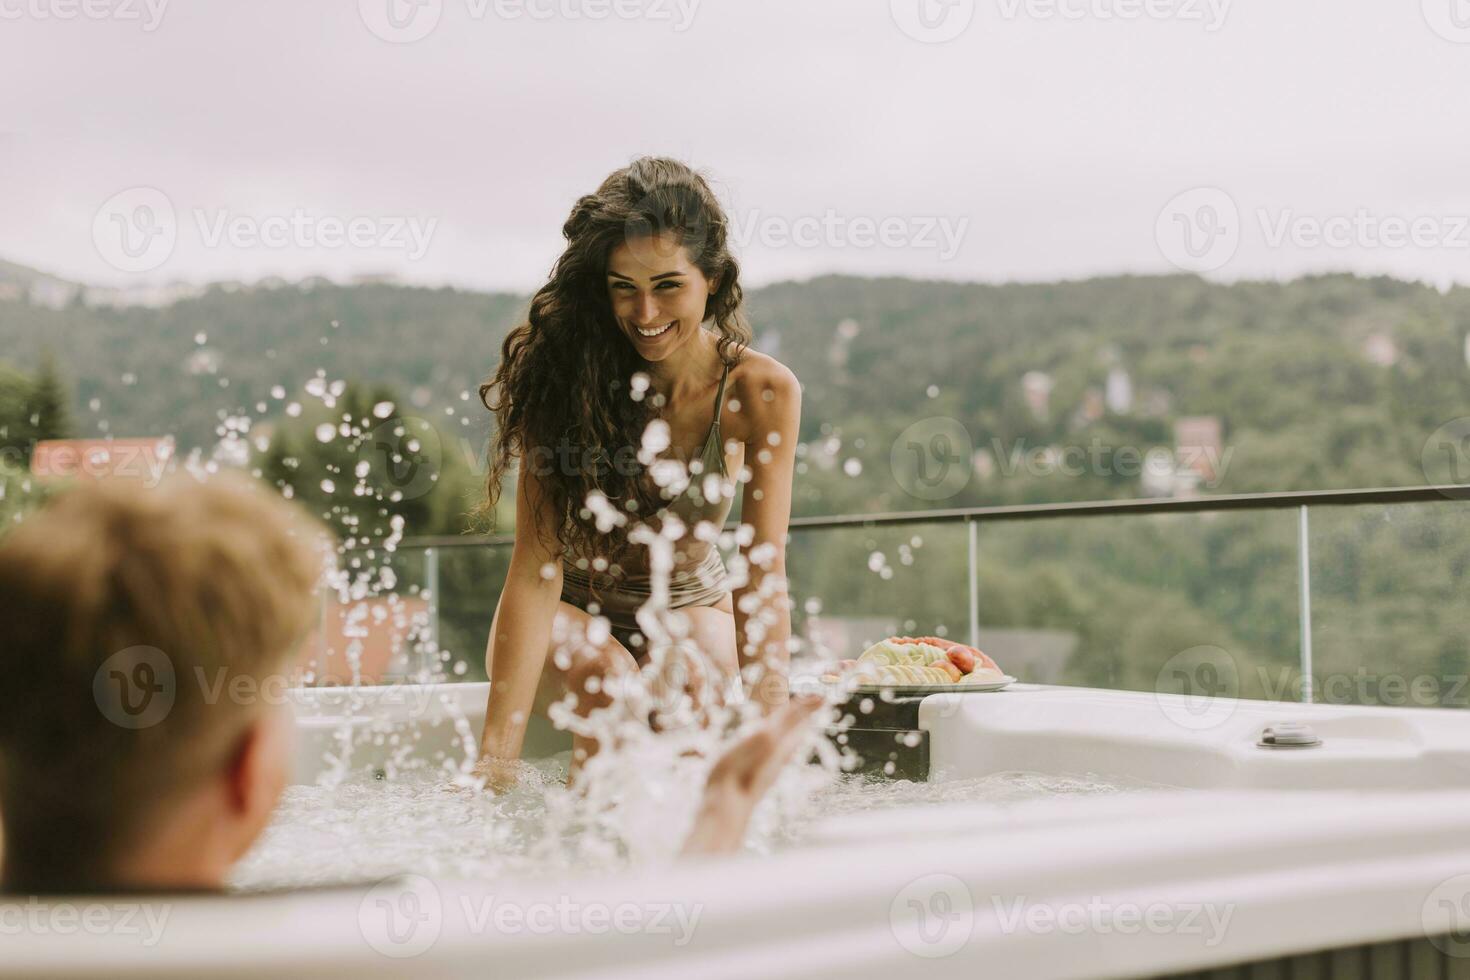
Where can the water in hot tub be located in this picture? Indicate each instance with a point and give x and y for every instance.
(362, 829)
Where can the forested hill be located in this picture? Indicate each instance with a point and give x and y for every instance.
(1325, 382)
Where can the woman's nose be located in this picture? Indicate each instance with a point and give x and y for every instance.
(647, 308)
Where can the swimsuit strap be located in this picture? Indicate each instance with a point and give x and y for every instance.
(720, 397)
(714, 448)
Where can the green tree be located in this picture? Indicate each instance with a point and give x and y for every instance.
(359, 464)
(48, 413)
(17, 426)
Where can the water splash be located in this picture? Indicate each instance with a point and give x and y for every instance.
(418, 822)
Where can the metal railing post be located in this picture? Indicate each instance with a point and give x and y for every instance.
(1304, 604)
(974, 527)
(431, 585)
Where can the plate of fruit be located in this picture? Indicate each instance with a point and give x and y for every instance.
(923, 665)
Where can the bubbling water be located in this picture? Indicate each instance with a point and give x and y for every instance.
(365, 829)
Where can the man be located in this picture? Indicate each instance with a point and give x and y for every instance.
(116, 771)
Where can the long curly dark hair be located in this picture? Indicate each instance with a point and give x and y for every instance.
(564, 379)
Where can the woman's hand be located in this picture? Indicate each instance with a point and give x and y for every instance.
(744, 774)
(500, 775)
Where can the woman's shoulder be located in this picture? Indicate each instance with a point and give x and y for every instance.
(765, 390)
(757, 373)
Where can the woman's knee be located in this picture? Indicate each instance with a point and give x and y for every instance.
(712, 630)
(591, 666)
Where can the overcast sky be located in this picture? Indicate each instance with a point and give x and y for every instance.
(1044, 139)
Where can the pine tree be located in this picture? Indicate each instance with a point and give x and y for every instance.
(48, 415)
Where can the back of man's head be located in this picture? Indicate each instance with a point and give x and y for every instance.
(136, 628)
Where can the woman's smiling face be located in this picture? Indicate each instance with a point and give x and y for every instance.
(658, 295)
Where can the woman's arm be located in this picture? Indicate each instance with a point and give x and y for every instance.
(520, 635)
(762, 614)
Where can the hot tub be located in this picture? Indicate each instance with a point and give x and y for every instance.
(1353, 854)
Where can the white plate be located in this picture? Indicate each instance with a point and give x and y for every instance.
(1006, 681)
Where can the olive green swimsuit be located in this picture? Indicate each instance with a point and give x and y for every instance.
(698, 576)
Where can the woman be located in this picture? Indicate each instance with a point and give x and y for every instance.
(622, 409)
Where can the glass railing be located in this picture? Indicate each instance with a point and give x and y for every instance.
(1352, 597)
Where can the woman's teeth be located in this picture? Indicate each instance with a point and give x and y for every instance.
(656, 331)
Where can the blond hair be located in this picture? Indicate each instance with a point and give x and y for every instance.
(188, 586)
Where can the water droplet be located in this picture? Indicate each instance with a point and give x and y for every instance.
(606, 515)
(325, 432)
(656, 438)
